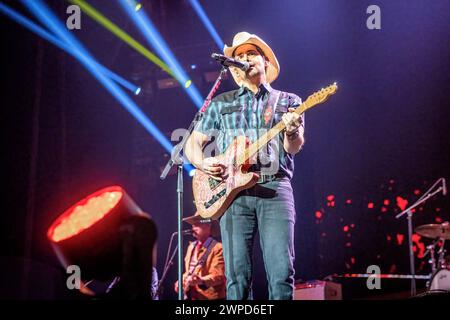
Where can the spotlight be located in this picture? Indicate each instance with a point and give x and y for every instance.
(107, 235)
(138, 90)
(137, 7)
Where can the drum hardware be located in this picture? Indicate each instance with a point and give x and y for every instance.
(408, 212)
(440, 269)
(432, 260)
(440, 281)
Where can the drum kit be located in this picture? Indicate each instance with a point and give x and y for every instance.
(440, 265)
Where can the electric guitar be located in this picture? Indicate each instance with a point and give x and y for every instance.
(213, 197)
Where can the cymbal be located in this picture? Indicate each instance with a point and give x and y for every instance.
(434, 231)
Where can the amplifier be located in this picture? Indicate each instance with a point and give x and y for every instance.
(318, 290)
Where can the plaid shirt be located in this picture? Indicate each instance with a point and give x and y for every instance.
(241, 112)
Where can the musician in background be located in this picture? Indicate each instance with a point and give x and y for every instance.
(268, 206)
(204, 276)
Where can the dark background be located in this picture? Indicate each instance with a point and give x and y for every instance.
(382, 139)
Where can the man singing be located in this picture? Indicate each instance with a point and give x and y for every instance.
(268, 206)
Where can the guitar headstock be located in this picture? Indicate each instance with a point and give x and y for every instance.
(322, 95)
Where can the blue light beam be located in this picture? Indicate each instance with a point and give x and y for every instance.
(25, 22)
(208, 24)
(151, 34)
(41, 11)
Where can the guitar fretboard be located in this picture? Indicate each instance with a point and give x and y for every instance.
(269, 135)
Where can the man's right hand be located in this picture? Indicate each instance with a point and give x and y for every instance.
(213, 168)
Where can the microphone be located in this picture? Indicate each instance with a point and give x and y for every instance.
(444, 187)
(229, 62)
(184, 232)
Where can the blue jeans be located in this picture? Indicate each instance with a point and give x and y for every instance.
(268, 207)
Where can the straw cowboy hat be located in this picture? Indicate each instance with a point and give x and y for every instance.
(241, 38)
(197, 219)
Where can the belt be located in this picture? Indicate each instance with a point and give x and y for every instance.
(263, 178)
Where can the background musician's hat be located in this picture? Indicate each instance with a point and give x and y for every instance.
(197, 219)
(272, 71)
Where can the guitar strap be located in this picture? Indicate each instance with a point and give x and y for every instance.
(209, 244)
(209, 247)
(269, 110)
(268, 116)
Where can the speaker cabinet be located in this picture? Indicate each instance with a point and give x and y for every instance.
(318, 290)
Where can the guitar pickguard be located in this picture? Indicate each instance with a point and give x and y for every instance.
(213, 183)
(215, 198)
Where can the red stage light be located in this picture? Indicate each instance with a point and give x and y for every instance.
(107, 235)
(85, 213)
(318, 215)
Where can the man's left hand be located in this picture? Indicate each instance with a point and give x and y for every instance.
(292, 121)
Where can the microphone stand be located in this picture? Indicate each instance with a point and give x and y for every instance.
(168, 263)
(427, 195)
(177, 159)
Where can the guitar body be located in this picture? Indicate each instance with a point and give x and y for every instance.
(212, 197)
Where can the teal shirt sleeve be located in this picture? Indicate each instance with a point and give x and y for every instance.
(210, 120)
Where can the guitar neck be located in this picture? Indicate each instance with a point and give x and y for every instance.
(269, 135)
(316, 98)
